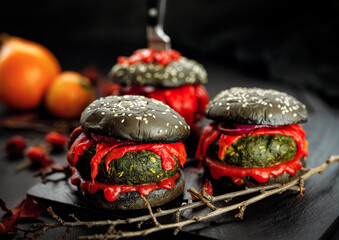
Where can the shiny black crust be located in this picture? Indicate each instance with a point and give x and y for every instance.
(256, 106)
(132, 200)
(134, 118)
(177, 73)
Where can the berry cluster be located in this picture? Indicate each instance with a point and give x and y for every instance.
(36, 155)
(162, 57)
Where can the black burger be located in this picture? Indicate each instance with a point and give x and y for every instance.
(126, 147)
(167, 76)
(256, 137)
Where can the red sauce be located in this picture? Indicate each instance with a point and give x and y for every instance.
(78, 148)
(218, 169)
(189, 101)
(116, 149)
(162, 57)
(111, 192)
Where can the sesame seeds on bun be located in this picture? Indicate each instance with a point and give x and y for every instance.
(175, 74)
(256, 106)
(134, 118)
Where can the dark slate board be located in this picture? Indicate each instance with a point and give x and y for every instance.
(285, 216)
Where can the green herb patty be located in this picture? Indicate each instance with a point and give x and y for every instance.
(256, 151)
(133, 168)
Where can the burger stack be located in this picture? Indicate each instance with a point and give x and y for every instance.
(256, 137)
(126, 147)
(167, 76)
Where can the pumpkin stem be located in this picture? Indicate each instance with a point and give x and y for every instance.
(4, 37)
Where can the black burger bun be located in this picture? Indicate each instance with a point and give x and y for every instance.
(135, 119)
(256, 106)
(175, 74)
(132, 200)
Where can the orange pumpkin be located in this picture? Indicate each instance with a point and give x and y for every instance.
(27, 69)
(69, 94)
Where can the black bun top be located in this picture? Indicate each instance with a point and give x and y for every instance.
(175, 74)
(134, 118)
(256, 106)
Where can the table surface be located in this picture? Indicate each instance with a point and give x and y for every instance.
(285, 216)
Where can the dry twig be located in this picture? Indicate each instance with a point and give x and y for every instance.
(154, 219)
(266, 191)
(44, 174)
(201, 197)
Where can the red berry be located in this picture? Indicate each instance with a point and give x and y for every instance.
(56, 139)
(38, 155)
(175, 55)
(157, 56)
(92, 73)
(134, 59)
(146, 55)
(122, 60)
(15, 146)
(163, 57)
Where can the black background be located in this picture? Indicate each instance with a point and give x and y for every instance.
(286, 41)
(240, 42)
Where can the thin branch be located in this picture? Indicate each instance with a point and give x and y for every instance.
(198, 195)
(74, 217)
(44, 174)
(154, 219)
(222, 210)
(241, 212)
(265, 192)
(53, 215)
(177, 219)
(68, 230)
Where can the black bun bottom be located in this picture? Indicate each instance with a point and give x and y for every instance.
(132, 200)
(250, 182)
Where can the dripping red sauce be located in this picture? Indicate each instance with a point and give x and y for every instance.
(112, 191)
(162, 57)
(261, 175)
(189, 101)
(115, 149)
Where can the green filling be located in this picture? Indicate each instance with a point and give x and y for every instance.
(257, 151)
(133, 168)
